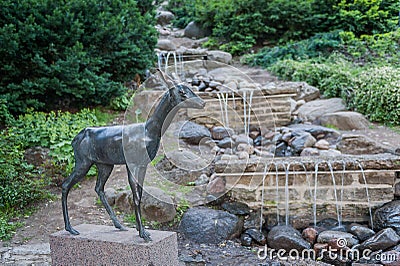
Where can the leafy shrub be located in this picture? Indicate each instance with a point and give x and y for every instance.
(319, 45)
(73, 53)
(366, 16)
(55, 131)
(20, 183)
(377, 94)
(333, 76)
(377, 48)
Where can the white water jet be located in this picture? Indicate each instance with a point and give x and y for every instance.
(287, 194)
(367, 193)
(339, 218)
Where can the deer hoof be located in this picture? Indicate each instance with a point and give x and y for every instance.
(72, 231)
(120, 226)
(145, 235)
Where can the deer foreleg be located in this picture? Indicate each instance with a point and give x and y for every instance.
(136, 178)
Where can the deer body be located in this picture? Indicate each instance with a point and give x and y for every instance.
(134, 145)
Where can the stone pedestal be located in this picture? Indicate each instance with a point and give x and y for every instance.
(106, 245)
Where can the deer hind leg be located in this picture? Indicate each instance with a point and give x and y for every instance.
(104, 171)
(80, 170)
(137, 191)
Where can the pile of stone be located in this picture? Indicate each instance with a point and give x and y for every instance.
(327, 241)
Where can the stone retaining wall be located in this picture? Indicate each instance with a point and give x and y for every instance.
(244, 180)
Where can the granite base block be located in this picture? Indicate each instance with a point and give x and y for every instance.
(106, 245)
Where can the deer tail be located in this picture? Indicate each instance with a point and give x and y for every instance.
(78, 138)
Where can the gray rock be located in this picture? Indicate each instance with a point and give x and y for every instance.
(193, 133)
(327, 236)
(322, 144)
(243, 155)
(315, 109)
(254, 220)
(306, 152)
(216, 186)
(302, 90)
(344, 120)
(237, 208)
(362, 232)
(164, 17)
(166, 45)
(226, 143)
(330, 153)
(194, 30)
(256, 235)
(249, 149)
(111, 195)
(359, 144)
(202, 180)
(124, 201)
(219, 132)
(287, 238)
(243, 139)
(280, 150)
(219, 56)
(388, 216)
(185, 159)
(205, 225)
(246, 240)
(384, 239)
(302, 140)
(157, 205)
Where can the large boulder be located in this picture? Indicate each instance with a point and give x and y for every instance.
(205, 225)
(345, 120)
(302, 90)
(166, 45)
(194, 30)
(194, 133)
(157, 205)
(219, 56)
(313, 110)
(328, 235)
(384, 239)
(388, 216)
(164, 17)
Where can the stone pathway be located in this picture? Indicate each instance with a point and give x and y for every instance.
(36, 254)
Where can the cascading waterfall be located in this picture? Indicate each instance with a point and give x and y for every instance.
(163, 62)
(339, 218)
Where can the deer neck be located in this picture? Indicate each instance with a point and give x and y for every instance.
(161, 118)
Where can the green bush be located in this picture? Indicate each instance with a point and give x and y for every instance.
(377, 94)
(319, 45)
(334, 77)
(237, 25)
(73, 53)
(366, 16)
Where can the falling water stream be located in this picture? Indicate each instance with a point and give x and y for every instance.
(338, 198)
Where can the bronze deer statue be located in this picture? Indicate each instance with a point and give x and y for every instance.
(134, 145)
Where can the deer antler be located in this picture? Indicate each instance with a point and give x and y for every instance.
(167, 79)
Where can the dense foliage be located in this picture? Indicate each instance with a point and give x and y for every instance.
(71, 53)
(237, 25)
(21, 184)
